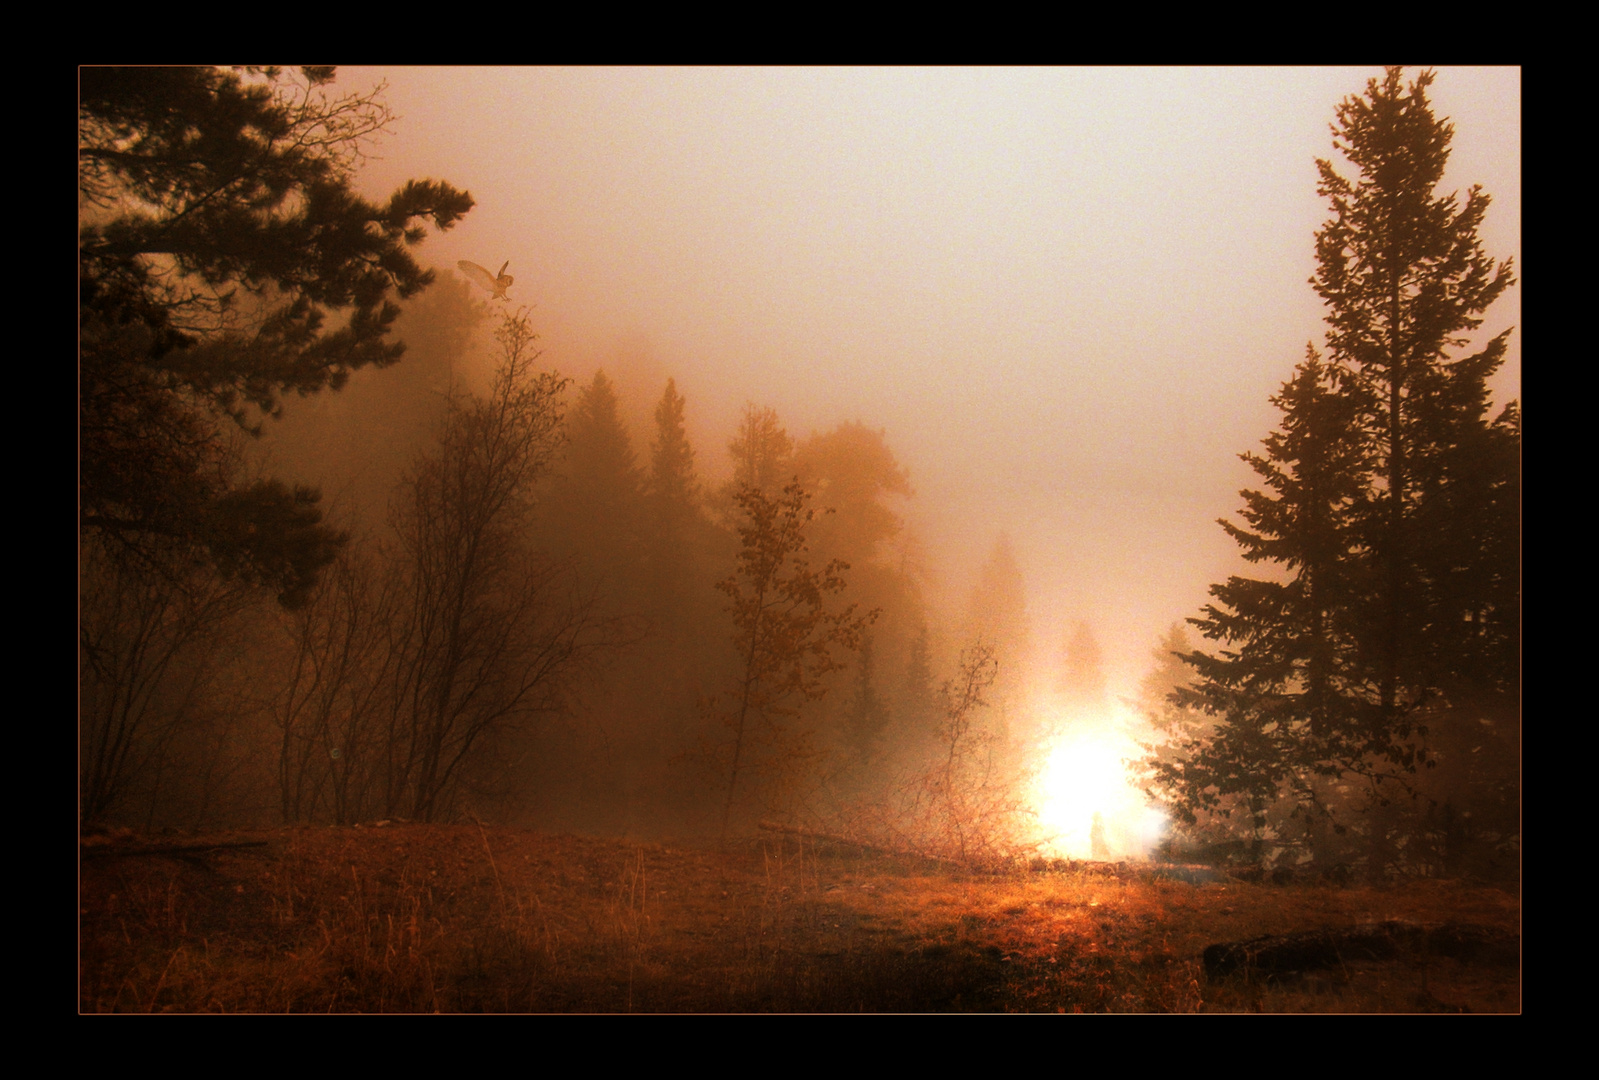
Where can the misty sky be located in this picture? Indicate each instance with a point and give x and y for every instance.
(1065, 294)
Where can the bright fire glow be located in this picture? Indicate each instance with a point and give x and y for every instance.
(1084, 773)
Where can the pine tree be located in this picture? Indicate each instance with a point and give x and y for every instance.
(594, 513)
(1288, 686)
(1391, 502)
(1169, 673)
(678, 532)
(868, 714)
(1172, 726)
(1405, 276)
(672, 481)
(224, 261)
(600, 451)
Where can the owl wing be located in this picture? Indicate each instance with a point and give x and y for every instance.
(477, 274)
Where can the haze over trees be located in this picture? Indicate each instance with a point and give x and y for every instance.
(1082, 673)
(996, 616)
(512, 604)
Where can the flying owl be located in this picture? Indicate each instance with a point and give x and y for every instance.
(494, 283)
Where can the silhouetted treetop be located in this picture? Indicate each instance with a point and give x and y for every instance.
(218, 207)
(672, 478)
(224, 260)
(851, 469)
(600, 453)
(762, 451)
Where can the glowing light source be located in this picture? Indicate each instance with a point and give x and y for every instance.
(1083, 775)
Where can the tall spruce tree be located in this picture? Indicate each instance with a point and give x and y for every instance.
(594, 513)
(868, 713)
(1287, 686)
(1392, 499)
(671, 481)
(676, 524)
(1174, 727)
(1404, 275)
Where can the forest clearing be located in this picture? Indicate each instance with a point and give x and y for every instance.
(473, 918)
(901, 541)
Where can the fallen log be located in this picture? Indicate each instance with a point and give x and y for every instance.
(1276, 955)
(1123, 869)
(105, 851)
(1184, 872)
(849, 841)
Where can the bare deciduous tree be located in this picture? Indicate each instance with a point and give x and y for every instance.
(786, 630)
(966, 803)
(327, 705)
(486, 632)
(146, 655)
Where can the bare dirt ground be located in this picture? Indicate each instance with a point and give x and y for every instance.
(463, 918)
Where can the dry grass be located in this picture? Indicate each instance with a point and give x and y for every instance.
(463, 918)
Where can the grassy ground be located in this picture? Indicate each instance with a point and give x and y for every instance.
(409, 918)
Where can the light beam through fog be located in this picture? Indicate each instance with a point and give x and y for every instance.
(1088, 805)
